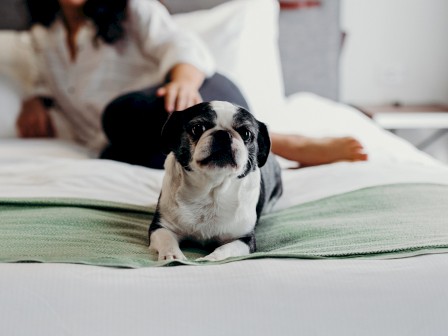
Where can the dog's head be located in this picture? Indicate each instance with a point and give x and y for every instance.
(217, 136)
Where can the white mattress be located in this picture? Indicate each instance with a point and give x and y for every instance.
(257, 297)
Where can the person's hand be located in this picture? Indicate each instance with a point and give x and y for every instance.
(179, 95)
(34, 120)
(183, 89)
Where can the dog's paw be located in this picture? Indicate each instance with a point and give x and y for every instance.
(165, 243)
(171, 254)
(214, 256)
(233, 249)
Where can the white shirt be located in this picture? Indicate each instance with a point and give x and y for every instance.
(82, 88)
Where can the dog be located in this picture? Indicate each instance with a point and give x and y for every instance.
(219, 178)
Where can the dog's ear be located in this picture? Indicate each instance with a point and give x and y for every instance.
(264, 144)
(172, 131)
(175, 126)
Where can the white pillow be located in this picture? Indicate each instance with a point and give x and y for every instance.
(17, 60)
(17, 77)
(242, 35)
(10, 104)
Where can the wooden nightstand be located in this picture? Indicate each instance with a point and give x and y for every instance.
(398, 117)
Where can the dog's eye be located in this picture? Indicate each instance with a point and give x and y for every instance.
(246, 135)
(197, 130)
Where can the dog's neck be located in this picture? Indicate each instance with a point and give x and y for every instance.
(191, 185)
(206, 207)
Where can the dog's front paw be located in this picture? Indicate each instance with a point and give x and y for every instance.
(165, 243)
(171, 254)
(234, 249)
(214, 256)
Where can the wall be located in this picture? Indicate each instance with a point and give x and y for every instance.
(396, 50)
(310, 41)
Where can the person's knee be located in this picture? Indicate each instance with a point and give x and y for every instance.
(116, 110)
(114, 115)
(134, 117)
(219, 87)
(124, 110)
(113, 110)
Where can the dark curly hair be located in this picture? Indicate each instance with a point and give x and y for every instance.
(107, 15)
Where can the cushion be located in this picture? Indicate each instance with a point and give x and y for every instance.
(9, 107)
(17, 77)
(243, 37)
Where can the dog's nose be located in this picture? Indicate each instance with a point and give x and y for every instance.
(221, 153)
(222, 136)
(222, 141)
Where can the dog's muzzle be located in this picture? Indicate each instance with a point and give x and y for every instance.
(221, 152)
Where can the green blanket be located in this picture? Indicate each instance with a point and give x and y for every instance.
(390, 221)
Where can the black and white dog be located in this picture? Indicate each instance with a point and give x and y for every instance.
(214, 190)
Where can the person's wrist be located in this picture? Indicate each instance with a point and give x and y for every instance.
(187, 74)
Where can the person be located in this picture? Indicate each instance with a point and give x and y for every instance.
(117, 69)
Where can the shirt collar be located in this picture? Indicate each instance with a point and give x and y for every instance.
(85, 35)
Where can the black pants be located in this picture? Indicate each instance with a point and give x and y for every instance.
(133, 122)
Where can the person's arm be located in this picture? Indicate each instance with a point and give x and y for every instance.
(34, 120)
(183, 89)
(180, 54)
(159, 38)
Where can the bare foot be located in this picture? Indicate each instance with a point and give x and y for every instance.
(317, 151)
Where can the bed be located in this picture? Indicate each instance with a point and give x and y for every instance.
(352, 248)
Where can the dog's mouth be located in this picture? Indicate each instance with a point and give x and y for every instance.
(220, 152)
(221, 159)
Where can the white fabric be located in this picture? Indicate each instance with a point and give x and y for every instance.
(10, 103)
(412, 120)
(101, 72)
(47, 168)
(113, 181)
(242, 35)
(18, 73)
(311, 115)
(17, 62)
(256, 297)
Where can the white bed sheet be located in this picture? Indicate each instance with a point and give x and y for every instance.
(113, 181)
(48, 168)
(256, 297)
(263, 297)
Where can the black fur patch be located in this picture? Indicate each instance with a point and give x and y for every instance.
(250, 241)
(155, 224)
(262, 144)
(181, 122)
(183, 154)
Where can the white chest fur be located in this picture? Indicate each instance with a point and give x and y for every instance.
(208, 207)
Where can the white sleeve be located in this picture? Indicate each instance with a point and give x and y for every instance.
(17, 61)
(39, 41)
(160, 38)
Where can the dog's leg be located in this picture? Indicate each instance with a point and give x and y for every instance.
(233, 249)
(166, 244)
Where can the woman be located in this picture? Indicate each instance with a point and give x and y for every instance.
(94, 51)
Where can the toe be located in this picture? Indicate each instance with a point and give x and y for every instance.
(360, 156)
(177, 255)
